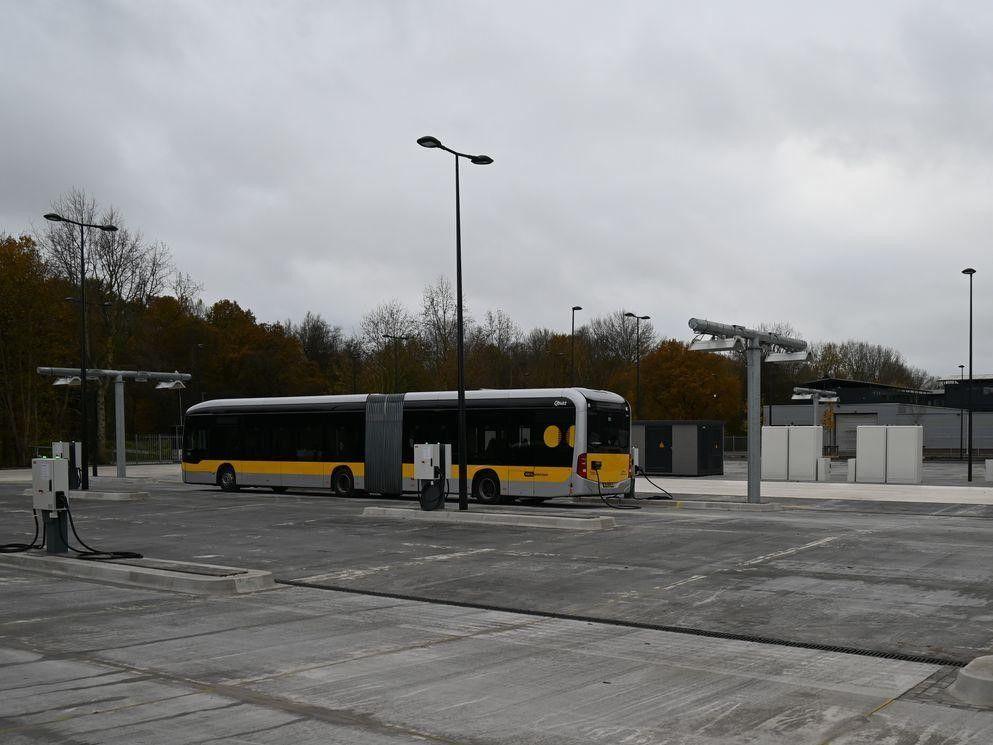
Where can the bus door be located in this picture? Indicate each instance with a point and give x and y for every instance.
(487, 436)
(520, 455)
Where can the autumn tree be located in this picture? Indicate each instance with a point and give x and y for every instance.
(36, 329)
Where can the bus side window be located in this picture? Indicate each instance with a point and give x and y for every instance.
(520, 439)
(487, 437)
(255, 436)
(225, 438)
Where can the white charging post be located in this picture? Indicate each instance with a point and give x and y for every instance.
(431, 461)
(49, 491)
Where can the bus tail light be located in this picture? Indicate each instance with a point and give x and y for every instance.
(581, 465)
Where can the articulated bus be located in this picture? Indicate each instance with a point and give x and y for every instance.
(522, 444)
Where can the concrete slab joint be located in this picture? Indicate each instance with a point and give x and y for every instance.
(974, 683)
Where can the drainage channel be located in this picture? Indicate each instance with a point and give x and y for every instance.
(689, 630)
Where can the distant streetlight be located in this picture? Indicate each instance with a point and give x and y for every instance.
(637, 365)
(961, 412)
(396, 338)
(54, 217)
(572, 343)
(970, 272)
(479, 160)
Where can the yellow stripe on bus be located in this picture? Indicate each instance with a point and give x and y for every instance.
(300, 468)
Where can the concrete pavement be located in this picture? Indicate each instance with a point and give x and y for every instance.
(84, 663)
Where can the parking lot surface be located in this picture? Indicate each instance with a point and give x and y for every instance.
(344, 666)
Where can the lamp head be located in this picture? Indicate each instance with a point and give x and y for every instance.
(428, 141)
(577, 307)
(970, 271)
(630, 315)
(644, 318)
(481, 160)
(109, 228)
(54, 217)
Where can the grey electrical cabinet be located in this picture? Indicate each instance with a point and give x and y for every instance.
(680, 448)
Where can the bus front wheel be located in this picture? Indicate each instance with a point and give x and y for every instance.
(486, 488)
(342, 482)
(226, 479)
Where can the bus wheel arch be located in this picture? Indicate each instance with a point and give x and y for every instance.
(342, 482)
(486, 487)
(226, 478)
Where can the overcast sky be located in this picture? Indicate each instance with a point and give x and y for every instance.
(827, 164)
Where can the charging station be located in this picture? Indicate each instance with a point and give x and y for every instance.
(431, 463)
(49, 493)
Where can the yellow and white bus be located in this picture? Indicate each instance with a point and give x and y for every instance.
(522, 444)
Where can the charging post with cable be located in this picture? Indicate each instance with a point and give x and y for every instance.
(49, 494)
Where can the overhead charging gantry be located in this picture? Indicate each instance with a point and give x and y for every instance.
(816, 396)
(70, 376)
(757, 345)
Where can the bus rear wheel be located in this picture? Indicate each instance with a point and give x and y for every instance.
(486, 488)
(342, 482)
(227, 479)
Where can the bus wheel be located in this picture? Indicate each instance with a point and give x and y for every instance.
(342, 483)
(226, 479)
(486, 488)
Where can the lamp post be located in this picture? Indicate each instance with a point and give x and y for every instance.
(396, 338)
(969, 271)
(572, 344)
(637, 363)
(479, 160)
(52, 216)
(961, 412)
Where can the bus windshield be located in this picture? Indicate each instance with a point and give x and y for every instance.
(608, 428)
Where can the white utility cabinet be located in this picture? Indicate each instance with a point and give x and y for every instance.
(805, 446)
(49, 476)
(870, 449)
(432, 460)
(904, 454)
(823, 469)
(775, 453)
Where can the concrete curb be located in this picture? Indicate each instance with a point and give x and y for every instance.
(102, 496)
(239, 581)
(691, 504)
(974, 683)
(593, 522)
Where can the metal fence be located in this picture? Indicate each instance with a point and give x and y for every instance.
(735, 445)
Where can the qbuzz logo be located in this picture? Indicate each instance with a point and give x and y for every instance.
(560, 402)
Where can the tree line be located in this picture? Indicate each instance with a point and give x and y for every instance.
(144, 314)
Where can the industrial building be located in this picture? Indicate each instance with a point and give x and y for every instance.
(943, 413)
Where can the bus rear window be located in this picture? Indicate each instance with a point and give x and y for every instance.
(608, 428)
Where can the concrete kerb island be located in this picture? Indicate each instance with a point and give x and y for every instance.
(560, 522)
(102, 496)
(173, 576)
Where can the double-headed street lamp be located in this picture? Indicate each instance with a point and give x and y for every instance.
(968, 446)
(85, 482)
(637, 365)
(479, 160)
(572, 343)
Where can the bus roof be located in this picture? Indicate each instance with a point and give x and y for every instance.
(351, 400)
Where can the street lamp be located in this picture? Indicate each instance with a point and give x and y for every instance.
(396, 338)
(637, 364)
(961, 412)
(52, 216)
(479, 160)
(970, 271)
(572, 343)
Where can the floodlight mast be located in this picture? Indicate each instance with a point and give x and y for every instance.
(756, 344)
